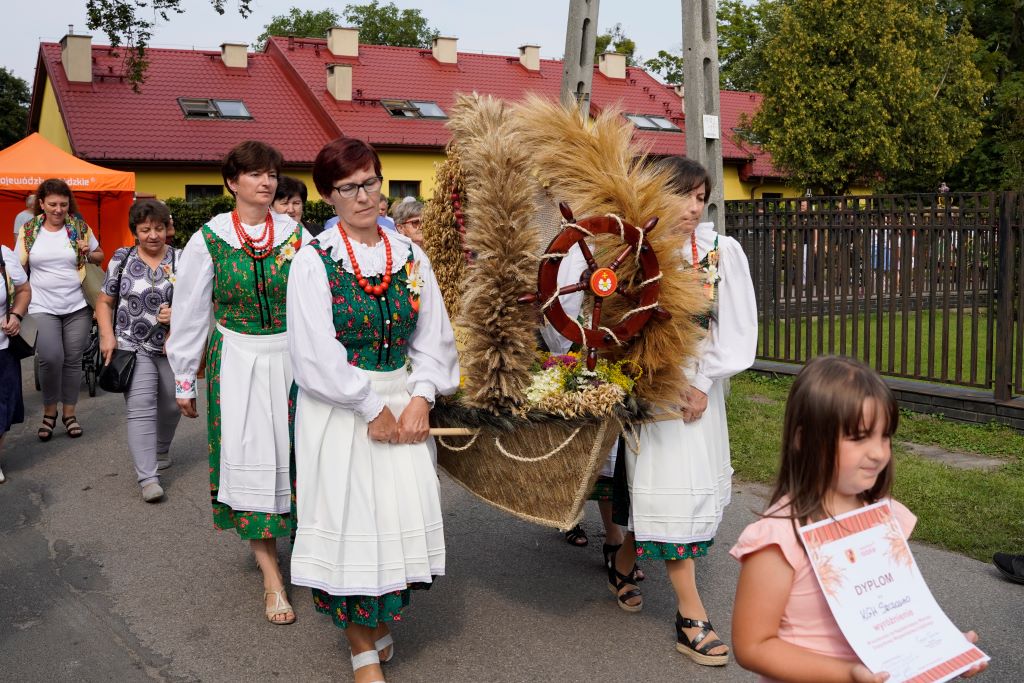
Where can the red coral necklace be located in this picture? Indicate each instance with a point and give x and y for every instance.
(258, 248)
(373, 290)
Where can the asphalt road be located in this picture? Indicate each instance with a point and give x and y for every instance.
(96, 585)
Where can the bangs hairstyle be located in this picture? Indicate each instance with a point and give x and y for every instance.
(339, 159)
(686, 175)
(288, 187)
(57, 187)
(825, 404)
(249, 156)
(148, 210)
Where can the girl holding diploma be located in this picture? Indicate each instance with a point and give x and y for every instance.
(836, 457)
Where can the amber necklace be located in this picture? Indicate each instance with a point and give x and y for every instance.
(374, 290)
(258, 248)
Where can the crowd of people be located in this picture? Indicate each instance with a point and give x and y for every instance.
(325, 349)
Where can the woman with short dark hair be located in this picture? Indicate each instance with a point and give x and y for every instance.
(290, 198)
(371, 347)
(236, 270)
(54, 248)
(140, 279)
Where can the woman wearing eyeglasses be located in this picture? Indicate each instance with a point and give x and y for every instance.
(371, 347)
(408, 221)
(236, 270)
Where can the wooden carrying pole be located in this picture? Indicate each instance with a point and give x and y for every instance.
(470, 431)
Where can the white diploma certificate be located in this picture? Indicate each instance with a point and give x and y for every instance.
(880, 600)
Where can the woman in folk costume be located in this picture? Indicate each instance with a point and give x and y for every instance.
(236, 270)
(371, 347)
(680, 479)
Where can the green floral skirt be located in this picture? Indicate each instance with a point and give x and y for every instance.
(365, 610)
(656, 550)
(249, 525)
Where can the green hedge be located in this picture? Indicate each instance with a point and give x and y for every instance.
(189, 217)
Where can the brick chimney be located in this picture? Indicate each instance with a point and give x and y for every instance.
(613, 65)
(76, 56)
(343, 41)
(445, 50)
(235, 55)
(339, 81)
(529, 57)
(681, 91)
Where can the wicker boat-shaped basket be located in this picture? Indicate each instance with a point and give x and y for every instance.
(539, 472)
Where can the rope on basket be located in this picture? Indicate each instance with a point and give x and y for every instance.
(519, 458)
(472, 441)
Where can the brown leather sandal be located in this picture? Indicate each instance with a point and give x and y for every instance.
(71, 424)
(45, 432)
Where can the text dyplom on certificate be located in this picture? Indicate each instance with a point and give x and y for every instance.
(880, 601)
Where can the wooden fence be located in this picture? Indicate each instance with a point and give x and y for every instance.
(922, 286)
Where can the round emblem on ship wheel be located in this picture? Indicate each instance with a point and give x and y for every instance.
(603, 282)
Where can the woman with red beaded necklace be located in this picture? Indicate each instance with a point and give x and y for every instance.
(235, 270)
(371, 347)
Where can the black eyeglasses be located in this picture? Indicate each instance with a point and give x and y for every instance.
(350, 190)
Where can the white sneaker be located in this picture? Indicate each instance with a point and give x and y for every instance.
(2, 477)
(152, 492)
(163, 461)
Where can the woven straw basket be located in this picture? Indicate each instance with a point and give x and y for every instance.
(542, 473)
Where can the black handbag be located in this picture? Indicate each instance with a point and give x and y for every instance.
(23, 344)
(116, 376)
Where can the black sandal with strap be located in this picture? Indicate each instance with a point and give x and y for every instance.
(577, 536)
(617, 582)
(72, 426)
(689, 647)
(45, 432)
(609, 550)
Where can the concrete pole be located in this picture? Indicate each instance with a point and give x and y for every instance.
(701, 98)
(578, 62)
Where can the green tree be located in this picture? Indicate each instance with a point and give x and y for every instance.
(615, 40)
(743, 30)
(997, 161)
(124, 23)
(876, 91)
(300, 23)
(667, 65)
(14, 99)
(387, 25)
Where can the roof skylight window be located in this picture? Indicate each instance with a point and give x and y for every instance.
(415, 109)
(650, 122)
(206, 108)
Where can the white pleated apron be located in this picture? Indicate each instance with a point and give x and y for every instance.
(369, 513)
(681, 480)
(255, 378)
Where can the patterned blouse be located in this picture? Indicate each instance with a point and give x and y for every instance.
(143, 291)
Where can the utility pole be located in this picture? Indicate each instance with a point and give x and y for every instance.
(578, 62)
(701, 98)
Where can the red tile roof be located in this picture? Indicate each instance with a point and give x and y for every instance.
(285, 90)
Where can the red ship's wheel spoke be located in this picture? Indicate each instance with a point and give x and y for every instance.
(595, 317)
(572, 289)
(621, 258)
(588, 255)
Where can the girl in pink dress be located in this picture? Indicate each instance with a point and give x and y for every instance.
(836, 457)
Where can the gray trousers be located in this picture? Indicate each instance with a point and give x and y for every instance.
(152, 414)
(61, 342)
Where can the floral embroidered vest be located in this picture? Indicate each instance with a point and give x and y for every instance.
(374, 330)
(75, 228)
(708, 268)
(249, 294)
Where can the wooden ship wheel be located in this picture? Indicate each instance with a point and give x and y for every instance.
(601, 281)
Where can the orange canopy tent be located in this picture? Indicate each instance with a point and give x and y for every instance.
(103, 195)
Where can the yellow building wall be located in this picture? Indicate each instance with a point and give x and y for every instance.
(51, 125)
(410, 166)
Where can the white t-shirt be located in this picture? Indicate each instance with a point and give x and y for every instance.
(20, 220)
(17, 275)
(53, 264)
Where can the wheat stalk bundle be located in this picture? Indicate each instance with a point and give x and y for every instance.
(500, 334)
(442, 238)
(595, 167)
